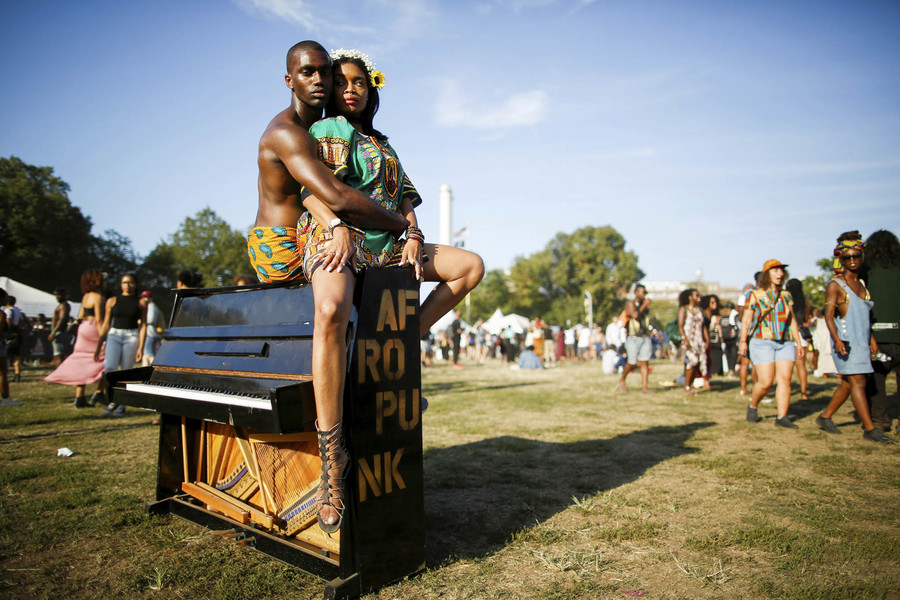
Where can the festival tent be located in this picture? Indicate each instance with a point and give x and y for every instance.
(444, 323)
(519, 323)
(494, 324)
(498, 322)
(32, 301)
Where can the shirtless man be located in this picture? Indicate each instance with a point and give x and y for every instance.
(638, 347)
(288, 160)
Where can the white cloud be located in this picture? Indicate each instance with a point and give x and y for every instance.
(454, 108)
(395, 20)
(295, 11)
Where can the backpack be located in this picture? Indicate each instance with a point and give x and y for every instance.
(673, 333)
(729, 327)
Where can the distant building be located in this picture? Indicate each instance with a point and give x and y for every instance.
(669, 290)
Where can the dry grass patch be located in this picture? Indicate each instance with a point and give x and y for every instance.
(547, 485)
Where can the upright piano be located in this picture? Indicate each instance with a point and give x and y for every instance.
(237, 441)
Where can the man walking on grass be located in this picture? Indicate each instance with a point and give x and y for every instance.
(638, 346)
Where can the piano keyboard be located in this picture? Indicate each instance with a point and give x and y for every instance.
(172, 391)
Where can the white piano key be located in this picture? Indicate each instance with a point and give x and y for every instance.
(188, 394)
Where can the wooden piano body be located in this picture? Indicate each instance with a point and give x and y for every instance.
(232, 381)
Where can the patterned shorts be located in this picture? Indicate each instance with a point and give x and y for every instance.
(316, 238)
(275, 254)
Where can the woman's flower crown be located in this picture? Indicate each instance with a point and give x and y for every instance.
(376, 78)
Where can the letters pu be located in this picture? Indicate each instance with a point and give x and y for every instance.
(387, 403)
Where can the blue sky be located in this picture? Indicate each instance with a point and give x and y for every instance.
(712, 135)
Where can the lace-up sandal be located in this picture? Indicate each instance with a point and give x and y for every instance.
(334, 470)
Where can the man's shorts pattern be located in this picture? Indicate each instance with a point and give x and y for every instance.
(638, 349)
(274, 254)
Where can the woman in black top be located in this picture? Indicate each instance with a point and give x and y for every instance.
(123, 330)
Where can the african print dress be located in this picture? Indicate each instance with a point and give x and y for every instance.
(695, 351)
(370, 165)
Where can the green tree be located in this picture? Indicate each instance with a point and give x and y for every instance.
(45, 242)
(159, 270)
(551, 283)
(204, 242)
(814, 285)
(492, 293)
(115, 256)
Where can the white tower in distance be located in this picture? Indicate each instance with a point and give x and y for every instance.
(446, 217)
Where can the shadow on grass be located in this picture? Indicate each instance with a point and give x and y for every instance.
(477, 495)
(451, 387)
(111, 426)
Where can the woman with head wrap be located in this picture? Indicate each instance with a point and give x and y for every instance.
(847, 310)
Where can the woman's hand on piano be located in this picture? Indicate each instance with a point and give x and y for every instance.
(412, 255)
(340, 252)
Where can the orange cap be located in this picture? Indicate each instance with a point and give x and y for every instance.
(772, 263)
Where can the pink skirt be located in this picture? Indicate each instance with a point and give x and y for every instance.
(80, 368)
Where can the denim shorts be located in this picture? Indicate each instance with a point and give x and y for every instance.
(767, 351)
(638, 349)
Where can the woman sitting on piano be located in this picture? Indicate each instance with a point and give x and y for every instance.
(361, 157)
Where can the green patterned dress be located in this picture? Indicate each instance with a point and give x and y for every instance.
(369, 165)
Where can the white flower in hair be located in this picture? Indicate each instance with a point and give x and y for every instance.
(356, 54)
(376, 78)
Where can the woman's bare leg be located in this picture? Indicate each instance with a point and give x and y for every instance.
(783, 370)
(458, 272)
(853, 386)
(802, 374)
(333, 294)
(765, 377)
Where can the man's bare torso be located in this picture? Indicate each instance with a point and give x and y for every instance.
(279, 192)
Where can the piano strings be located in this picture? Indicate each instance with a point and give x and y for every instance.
(289, 466)
(270, 479)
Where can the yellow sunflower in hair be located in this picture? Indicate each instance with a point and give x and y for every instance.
(377, 79)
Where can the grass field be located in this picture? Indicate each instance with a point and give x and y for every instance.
(544, 485)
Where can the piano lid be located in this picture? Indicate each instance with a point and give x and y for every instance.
(253, 311)
(261, 330)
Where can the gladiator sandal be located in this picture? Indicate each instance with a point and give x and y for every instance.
(334, 469)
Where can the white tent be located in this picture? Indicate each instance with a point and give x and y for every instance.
(519, 323)
(444, 323)
(498, 322)
(32, 301)
(494, 324)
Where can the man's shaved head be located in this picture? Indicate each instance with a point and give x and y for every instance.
(303, 46)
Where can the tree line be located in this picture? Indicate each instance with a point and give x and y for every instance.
(46, 242)
(551, 283)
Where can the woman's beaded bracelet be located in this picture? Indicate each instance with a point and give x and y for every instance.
(414, 233)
